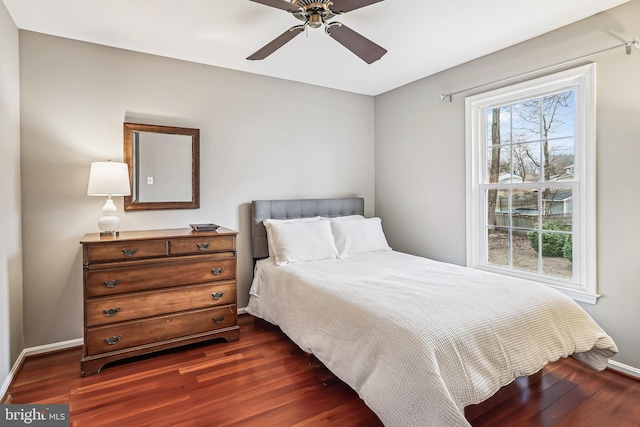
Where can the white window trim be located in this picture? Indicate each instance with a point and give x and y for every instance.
(582, 80)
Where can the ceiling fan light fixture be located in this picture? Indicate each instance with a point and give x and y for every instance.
(315, 20)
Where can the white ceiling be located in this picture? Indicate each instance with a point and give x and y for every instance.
(422, 37)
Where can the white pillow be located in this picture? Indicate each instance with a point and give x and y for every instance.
(270, 244)
(297, 241)
(359, 236)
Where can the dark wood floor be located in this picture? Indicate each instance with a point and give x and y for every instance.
(265, 380)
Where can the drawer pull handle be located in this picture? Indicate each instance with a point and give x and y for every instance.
(203, 246)
(129, 252)
(217, 295)
(111, 283)
(217, 270)
(218, 320)
(111, 312)
(113, 340)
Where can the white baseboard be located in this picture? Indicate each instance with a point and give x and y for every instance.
(48, 348)
(625, 369)
(11, 376)
(33, 351)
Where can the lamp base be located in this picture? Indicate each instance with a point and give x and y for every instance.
(109, 222)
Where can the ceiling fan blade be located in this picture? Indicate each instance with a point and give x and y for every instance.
(367, 50)
(276, 43)
(342, 6)
(280, 4)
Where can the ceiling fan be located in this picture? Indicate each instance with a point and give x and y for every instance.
(315, 13)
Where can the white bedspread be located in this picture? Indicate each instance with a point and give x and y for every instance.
(417, 339)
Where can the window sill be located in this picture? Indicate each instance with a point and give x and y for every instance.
(575, 294)
(578, 296)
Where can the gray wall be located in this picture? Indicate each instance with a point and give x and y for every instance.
(11, 337)
(420, 159)
(260, 138)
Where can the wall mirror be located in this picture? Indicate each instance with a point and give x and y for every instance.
(164, 167)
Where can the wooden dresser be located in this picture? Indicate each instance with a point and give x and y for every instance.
(146, 291)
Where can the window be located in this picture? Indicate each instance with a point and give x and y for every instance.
(531, 181)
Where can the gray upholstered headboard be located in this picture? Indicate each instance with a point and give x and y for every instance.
(295, 208)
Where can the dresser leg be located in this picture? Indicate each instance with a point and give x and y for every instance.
(91, 367)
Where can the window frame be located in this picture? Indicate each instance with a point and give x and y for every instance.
(583, 286)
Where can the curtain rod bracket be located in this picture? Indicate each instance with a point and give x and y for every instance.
(444, 96)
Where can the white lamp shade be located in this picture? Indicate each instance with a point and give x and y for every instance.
(109, 179)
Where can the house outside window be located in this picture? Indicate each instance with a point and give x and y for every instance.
(531, 181)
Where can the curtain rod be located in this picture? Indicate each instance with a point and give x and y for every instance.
(627, 45)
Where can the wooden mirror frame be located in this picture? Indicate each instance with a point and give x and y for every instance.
(129, 203)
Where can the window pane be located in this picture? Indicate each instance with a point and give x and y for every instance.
(561, 158)
(526, 162)
(524, 256)
(498, 165)
(558, 114)
(557, 209)
(497, 208)
(560, 265)
(526, 121)
(524, 208)
(498, 246)
(557, 249)
(501, 118)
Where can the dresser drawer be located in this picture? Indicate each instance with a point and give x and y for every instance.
(111, 281)
(119, 308)
(115, 337)
(202, 245)
(126, 250)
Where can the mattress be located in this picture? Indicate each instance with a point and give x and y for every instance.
(417, 339)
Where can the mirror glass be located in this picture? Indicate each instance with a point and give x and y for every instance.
(163, 167)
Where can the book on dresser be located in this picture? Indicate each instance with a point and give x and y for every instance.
(146, 291)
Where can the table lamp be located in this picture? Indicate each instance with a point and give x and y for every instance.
(109, 179)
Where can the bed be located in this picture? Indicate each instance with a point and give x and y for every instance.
(418, 340)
